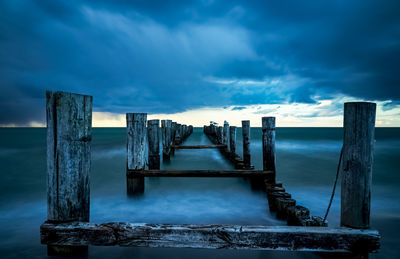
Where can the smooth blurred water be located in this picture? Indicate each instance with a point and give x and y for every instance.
(306, 164)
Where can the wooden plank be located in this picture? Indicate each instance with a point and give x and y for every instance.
(69, 135)
(199, 146)
(358, 157)
(199, 173)
(317, 239)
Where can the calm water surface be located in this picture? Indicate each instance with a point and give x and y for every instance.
(306, 164)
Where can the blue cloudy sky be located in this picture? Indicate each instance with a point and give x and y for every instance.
(195, 61)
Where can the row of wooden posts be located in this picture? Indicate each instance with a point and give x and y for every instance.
(143, 145)
(69, 134)
(279, 200)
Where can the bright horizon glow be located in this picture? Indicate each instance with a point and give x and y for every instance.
(324, 113)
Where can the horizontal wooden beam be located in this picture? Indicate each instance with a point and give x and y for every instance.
(198, 173)
(199, 146)
(318, 239)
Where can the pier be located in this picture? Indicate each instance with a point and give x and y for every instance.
(68, 229)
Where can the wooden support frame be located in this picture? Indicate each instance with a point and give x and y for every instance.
(200, 173)
(199, 146)
(67, 228)
(211, 236)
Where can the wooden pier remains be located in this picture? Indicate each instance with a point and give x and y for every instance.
(68, 230)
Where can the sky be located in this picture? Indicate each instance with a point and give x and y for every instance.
(196, 61)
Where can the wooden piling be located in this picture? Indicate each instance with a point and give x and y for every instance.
(232, 140)
(154, 144)
(226, 133)
(358, 153)
(136, 145)
(166, 138)
(268, 143)
(178, 135)
(69, 136)
(173, 134)
(246, 143)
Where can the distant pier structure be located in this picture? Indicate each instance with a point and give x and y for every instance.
(67, 229)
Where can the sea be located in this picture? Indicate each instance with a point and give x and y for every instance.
(307, 159)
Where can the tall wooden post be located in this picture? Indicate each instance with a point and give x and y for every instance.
(220, 135)
(246, 143)
(178, 135)
(358, 154)
(173, 135)
(136, 146)
(166, 138)
(226, 133)
(232, 139)
(154, 144)
(268, 143)
(69, 136)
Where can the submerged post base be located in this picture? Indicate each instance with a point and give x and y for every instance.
(61, 250)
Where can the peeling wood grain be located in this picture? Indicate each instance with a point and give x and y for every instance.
(211, 236)
(69, 135)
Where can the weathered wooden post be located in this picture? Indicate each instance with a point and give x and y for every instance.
(69, 135)
(246, 143)
(136, 146)
(268, 143)
(220, 135)
(178, 135)
(166, 138)
(226, 134)
(358, 153)
(154, 144)
(173, 135)
(232, 140)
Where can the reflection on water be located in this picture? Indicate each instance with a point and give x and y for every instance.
(306, 164)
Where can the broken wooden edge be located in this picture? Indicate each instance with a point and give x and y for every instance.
(199, 173)
(199, 146)
(287, 238)
(286, 208)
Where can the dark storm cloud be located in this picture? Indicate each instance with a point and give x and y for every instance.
(170, 56)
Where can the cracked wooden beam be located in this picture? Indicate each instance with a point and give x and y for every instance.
(317, 239)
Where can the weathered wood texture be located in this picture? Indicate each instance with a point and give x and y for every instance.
(268, 143)
(166, 134)
(200, 146)
(136, 140)
(232, 139)
(69, 135)
(199, 173)
(153, 127)
(246, 143)
(358, 151)
(281, 202)
(136, 145)
(226, 134)
(178, 136)
(211, 236)
(220, 135)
